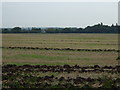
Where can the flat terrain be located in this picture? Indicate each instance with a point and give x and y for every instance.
(85, 41)
(67, 61)
(60, 57)
(66, 76)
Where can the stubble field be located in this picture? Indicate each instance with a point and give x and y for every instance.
(60, 41)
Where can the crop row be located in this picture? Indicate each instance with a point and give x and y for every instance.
(58, 68)
(32, 81)
(71, 49)
(34, 76)
(52, 78)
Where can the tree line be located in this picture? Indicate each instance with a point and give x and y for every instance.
(98, 28)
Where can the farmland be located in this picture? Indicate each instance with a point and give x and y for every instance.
(65, 77)
(80, 59)
(85, 41)
(72, 41)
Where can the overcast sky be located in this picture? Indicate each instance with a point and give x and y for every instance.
(58, 14)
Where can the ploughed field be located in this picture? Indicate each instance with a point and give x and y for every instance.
(60, 61)
(66, 76)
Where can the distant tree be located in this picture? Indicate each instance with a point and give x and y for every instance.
(112, 25)
(16, 30)
(50, 30)
(79, 30)
(36, 30)
(98, 28)
(116, 24)
(5, 30)
(67, 30)
(101, 24)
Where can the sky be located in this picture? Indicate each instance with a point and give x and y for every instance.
(58, 14)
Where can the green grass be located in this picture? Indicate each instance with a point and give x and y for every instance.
(41, 57)
(48, 64)
(57, 57)
(32, 56)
